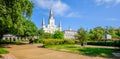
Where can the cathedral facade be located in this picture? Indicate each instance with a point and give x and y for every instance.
(51, 27)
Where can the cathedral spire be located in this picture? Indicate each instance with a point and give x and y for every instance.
(60, 26)
(51, 19)
(51, 13)
(43, 23)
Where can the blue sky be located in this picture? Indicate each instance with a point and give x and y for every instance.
(78, 13)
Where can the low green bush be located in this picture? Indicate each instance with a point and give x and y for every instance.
(10, 42)
(105, 43)
(57, 41)
(69, 41)
(117, 43)
(38, 40)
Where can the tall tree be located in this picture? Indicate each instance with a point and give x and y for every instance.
(12, 13)
(82, 36)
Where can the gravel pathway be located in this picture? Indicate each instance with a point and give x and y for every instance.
(36, 52)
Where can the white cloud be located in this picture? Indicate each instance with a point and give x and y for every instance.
(73, 14)
(57, 5)
(107, 2)
(112, 19)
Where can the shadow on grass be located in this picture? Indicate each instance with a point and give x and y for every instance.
(88, 51)
(104, 52)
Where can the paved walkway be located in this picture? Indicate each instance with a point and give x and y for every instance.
(36, 52)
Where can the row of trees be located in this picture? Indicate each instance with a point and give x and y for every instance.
(97, 33)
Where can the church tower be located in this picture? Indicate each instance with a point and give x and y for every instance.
(51, 18)
(51, 27)
(60, 26)
(43, 23)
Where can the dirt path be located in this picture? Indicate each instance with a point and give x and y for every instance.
(36, 52)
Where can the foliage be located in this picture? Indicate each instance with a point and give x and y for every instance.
(11, 42)
(58, 35)
(112, 32)
(82, 36)
(69, 41)
(105, 43)
(118, 32)
(29, 28)
(57, 41)
(38, 40)
(3, 51)
(12, 15)
(44, 35)
(92, 51)
(97, 33)
(48, 36)
(41, 33)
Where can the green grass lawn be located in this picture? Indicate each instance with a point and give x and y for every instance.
(104, 52)
(3, 51)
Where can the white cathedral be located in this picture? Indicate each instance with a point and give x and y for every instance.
(51, 28)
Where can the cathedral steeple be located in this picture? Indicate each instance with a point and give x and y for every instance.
(43, 23)
(60, 26)
(51, 19)
(51, 13)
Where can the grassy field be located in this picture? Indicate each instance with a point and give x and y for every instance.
(3, 51)
(103, 52)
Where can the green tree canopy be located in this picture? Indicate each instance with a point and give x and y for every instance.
(97, 33)
(58, 35)
(82, 35)
(12, 15)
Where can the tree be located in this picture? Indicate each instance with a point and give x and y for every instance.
(58, 35)
(97, 33)
(48, 36)
(12, 14)
(29, 28)
(82, 36)
(112, 31)
(41, 33)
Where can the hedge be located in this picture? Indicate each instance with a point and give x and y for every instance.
(10, 42)
(57, 42)
(103, 43)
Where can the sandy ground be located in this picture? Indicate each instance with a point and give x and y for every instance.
(35, 51)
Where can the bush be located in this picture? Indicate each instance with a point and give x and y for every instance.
(69, 41)
(38, 40)
(103, 43)
(117, 43)
(57, 42)
(10, 42)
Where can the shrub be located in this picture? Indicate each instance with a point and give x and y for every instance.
(38, 40)
(53, 42)
(103, 43)
(69, 41)
(57, 41)
(117, 43)
(10, 42)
